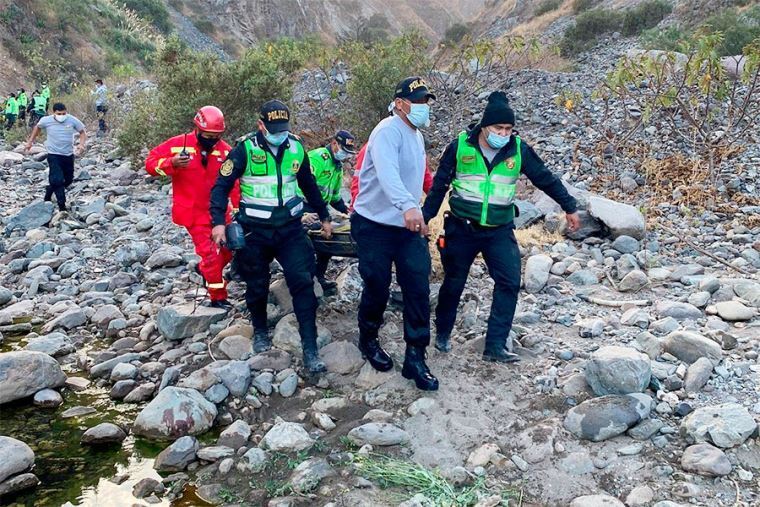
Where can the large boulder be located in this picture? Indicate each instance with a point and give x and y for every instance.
(286, 336)
(725, 425)
(601, 418)
(287, 436)
(53, 344)
(528, 214)
(678, 310)
(183, 321)
(689, 346)
(618, 370)
(15, 457)
(621, 219)
(178, 455)
(376, 433)
(104, 433)
(174, 413)
(23, 373)
(35, 215)
(537, 272)
(704, 459)
(342, 357)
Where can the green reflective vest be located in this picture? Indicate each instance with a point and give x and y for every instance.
(11, 106)
(39, 104)
(328, 173)
(22, 100)
(46, 93)
(483, 197)
(268, 188)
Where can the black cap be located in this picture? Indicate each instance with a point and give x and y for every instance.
(276, 116)
(413, 88)
(497, 110)
(346, 140)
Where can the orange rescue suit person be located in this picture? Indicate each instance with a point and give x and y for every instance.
(193, 161)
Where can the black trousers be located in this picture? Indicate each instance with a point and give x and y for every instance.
(502, 256)
(292, 249)
(101, 110)
(60, 176)
(379, 247)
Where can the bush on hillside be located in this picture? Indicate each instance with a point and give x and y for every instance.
(667, 39)
(646, 15)
(588, 26)
(455, 33)
(153, 11)
(738, 29)
(584, 5)
(547, 6)
(188, 80)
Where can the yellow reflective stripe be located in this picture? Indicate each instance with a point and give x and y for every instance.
(158, 167)
(216, 152)
(178, 149)
(216, 285)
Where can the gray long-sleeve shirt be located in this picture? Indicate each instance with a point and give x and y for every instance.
(100, 93)
(392, 174)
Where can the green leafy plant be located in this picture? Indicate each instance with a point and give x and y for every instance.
(547, 6)
(645, 15)
(227, 496)
(588, 26)
(738, 29)
(666, 39)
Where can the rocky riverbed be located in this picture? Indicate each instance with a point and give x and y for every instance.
(639, 382)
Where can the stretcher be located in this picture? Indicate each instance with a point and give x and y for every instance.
(341, 244)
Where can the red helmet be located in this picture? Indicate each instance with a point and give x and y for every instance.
(209, 119)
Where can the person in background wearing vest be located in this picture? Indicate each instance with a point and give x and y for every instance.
(46, 95)
(23, 102)
(59, 127)
(388, 227)
(37, 107)
(192, 161)
(101, 105)
(271, 165)
(327, 166)
(482, 167)
(11, 111)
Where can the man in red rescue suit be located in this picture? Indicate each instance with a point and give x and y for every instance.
(192, 161)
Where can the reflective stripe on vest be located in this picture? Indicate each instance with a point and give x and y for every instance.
(486, 198)
(264, 186)
(40, 103)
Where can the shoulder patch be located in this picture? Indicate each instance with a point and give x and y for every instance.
(226, 168)
(325, 155)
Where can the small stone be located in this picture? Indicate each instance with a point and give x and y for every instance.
(421, 406)
(590, 328)
(734, 311)
(633, 281)
(103, 433)
(704, 459)
(725, 425)
(596, 501)
(287, 436)
(47, 398)
(178, 455)
(618, 370)
(482, 455)
(383, 434)
(698, 374)
(215, 453)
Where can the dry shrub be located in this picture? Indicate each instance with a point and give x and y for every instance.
(537, 235)
(435, 227)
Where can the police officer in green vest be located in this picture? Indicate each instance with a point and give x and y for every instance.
(271, 166)
(46, 95)
(38, 105)
(481, 167)
(23, 102)
(11, 111)
(327, 166)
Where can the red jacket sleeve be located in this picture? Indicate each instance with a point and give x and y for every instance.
(159, 161)
(427, 184)
(355, 176)
(235, 195)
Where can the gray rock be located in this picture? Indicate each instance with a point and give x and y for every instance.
(665, 325)
(200, 380)
(123, 371)
(709, 284)
(287, 436)
(104, 369)
(103, 433)
(164, 258)
(650, 345)
(678, 310)
(146, 487)
(263, 383)
(253, 461)
(23, 373)
(287, 338)
(307, 476)
(53, 344)
(236, 347)
(748, 291)
(274, 359)
(342, 357)
(697, 375)
(132, 252)
(633, 281)
(590, 328)
(734, 311)
(19, 483)
(626, 244)
(596, 501)
(37, 214)
(69, 319)
(178, 455)
(16, 456)
(173, 413)
(621, 219)
(289, 385)
(689, 346)
(235, 375)
(215, 453)
(529, 214)
(141, 393)
(47, 398)
(704, 459)
(178, 322)
(602, 418)
(5, 296)
(699, 299)
(583, 277)
(235, 435)
(725, 425)
(635, 317)
(645, 429)
(216, 393)
(378, 434)
(78, 411)
(537, 272)
(105, 314)
(618, 370)
(122, 388)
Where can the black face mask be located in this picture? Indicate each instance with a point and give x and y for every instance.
(206, 143)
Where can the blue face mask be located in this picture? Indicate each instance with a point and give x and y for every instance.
(341, 155)
(496, 141)
(276, 139)
(419, 115)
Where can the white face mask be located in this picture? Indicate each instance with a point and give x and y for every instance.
(60, 118)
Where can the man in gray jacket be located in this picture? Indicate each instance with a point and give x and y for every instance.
(389, 229)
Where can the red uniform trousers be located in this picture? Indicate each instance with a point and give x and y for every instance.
(213, 260)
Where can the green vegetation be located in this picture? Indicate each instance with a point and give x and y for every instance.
(591, 24)
(584, 5)
(547, 6)
(228, 496)
(153, 11)
(667, 39)
(413, 478)
(455, 33)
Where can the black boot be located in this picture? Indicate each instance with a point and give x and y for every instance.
(261, 341)
(311, 360)
(328, 286)
(498, 354)
(374, 353)
(221, 303)
(416, 369)
(443, 342)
